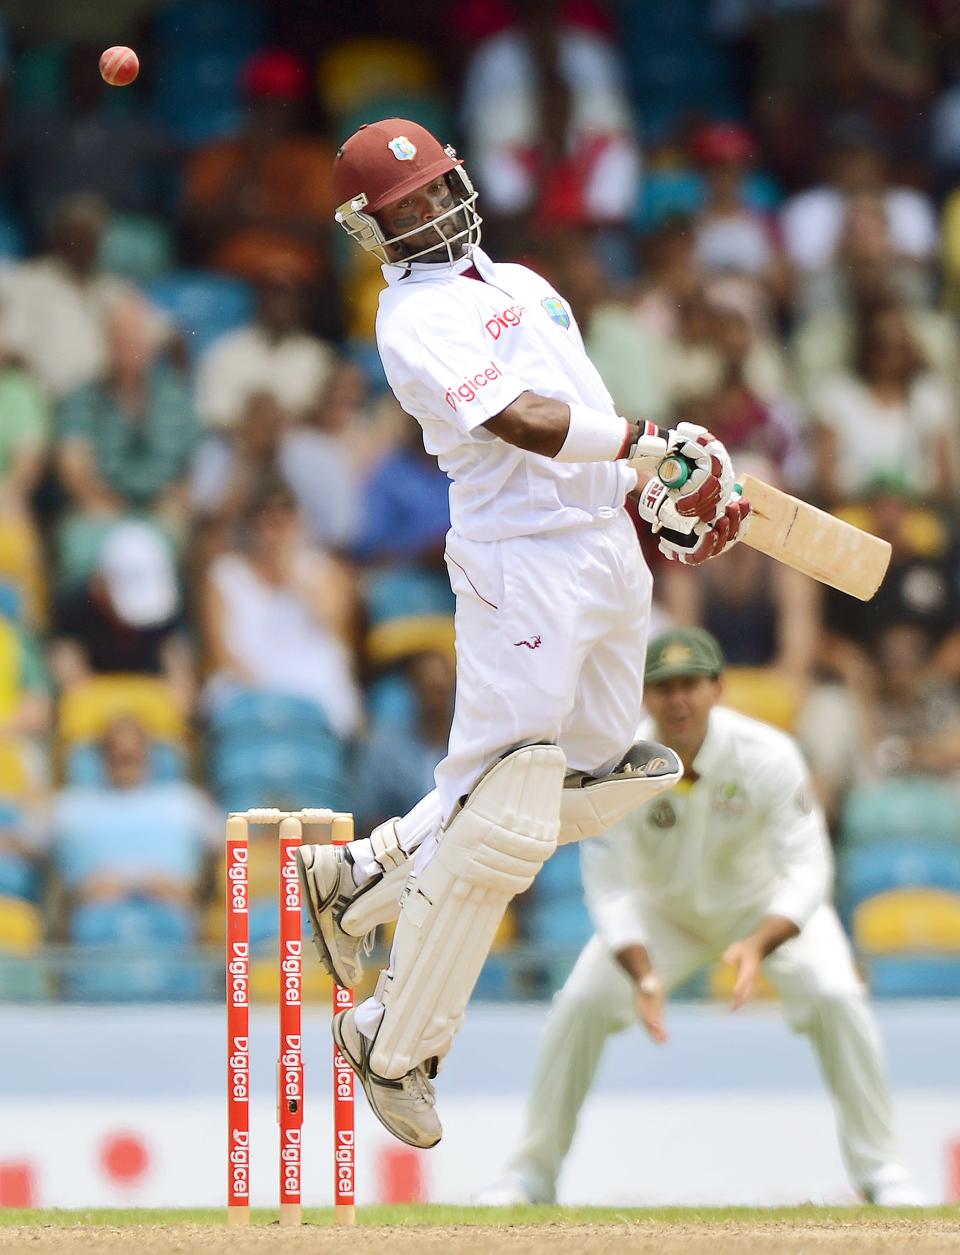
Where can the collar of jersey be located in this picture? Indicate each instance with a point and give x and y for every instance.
(423, 271)
(711, 752)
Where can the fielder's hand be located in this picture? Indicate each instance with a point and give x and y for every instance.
(746, 956)
(710, 482)
(650, 997)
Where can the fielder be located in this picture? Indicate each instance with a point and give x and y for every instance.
(733, 862)
(553, 602)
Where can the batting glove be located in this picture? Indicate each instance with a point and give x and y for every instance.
(710, 483)
(709, 540)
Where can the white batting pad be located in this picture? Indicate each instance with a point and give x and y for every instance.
(490, 851)
(592, 804)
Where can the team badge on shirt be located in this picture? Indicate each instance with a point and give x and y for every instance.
(556, 311)
(402, 149)
(728, 799)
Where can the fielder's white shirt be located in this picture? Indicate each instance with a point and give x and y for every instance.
(456, 352)
(745, 836)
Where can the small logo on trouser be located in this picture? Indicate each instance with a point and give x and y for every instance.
(533, 643)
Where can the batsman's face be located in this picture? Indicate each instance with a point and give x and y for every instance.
(681, 708)
(420, 208)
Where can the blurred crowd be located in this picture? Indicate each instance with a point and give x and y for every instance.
(221, 575)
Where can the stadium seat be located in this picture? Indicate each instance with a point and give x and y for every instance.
(762, 694)
(22, 567)
(909, 920)
(138, 949)
(359, 71)
(401, 591)
(88, 708)
(720, 981)
(904, 808)
(866, 870)
(201, 47)
(203, 304)
(11, 237)
(246, 713)
(916, 976)
(19, 876)
(392, 702)
(138, 248)
(21, 929)
(84, 766)
(23, 974)
(185, 23)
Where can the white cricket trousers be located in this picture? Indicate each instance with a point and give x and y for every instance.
(822, 997)
(551, 635)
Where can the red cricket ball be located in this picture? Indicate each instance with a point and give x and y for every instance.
(119, 66)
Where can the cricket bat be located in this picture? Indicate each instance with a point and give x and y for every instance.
(813, 541)
(801, 536)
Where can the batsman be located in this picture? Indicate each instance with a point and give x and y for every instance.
(552, 608)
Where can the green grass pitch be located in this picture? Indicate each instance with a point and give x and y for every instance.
(430, 1215)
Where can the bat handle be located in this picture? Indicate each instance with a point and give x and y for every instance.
(675, 470)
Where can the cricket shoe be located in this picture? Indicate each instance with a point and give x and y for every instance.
(510, 1191)
(405, 1107)
(901, 1193)
(326, 875)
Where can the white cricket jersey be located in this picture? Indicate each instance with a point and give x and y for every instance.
(744, 836)
(456, 352)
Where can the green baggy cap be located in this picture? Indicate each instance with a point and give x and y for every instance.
(682, 652)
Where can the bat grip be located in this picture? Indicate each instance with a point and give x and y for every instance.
(675, 470)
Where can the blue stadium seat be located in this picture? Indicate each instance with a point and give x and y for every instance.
(11, 237)
(402, 591)
(914, 976)
(204, 305)
(560, 873)
(234, 23)
(391, 701)
(19, 876)
(135, 950)
(246, 713)
(137, 247)
(201, 48)
(879, 866)
(903, 808)
(84, 765)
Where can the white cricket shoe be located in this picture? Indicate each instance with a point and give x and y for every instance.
(895, 1194)
(326, 875)
(509, 1192)
(405, 1107)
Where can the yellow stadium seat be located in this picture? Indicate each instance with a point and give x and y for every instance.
(361, 297)
(908, 920)
(22, 565)
(15, 775)
(763, 694)
(402, 637)
(721, 979)
(21, 929)
(360, 70)
(87, 709)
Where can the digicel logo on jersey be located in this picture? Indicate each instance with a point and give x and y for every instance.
(499, 323)
(467, 389)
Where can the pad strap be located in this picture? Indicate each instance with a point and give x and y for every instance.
(386, 848)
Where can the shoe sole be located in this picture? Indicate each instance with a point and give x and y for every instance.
(320, 940)
(359, 1069)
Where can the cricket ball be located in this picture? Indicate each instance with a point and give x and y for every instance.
(119, 66)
